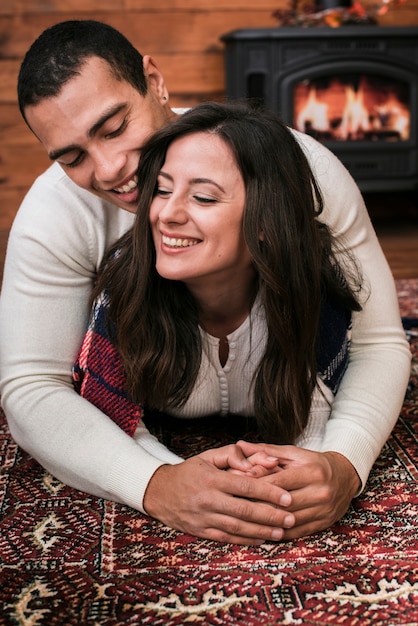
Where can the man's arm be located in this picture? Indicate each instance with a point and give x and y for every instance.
(371, 393)
(56, 244)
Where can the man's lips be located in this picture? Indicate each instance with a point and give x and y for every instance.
(127, 187)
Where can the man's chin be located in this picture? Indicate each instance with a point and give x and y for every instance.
(126, 201)
(130, 207)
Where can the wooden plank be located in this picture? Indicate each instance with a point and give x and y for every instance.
(193, 74)
(19, 7)
(198, 31)
(16, 7)
(8, 80)
(185, 74)
(20, 164)
(151, 32)
(13, 130)
(10, 7)
(99, 7)
(155, 33)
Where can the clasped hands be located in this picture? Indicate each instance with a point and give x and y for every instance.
(249, 493)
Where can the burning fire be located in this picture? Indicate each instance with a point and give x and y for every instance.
(343, 113)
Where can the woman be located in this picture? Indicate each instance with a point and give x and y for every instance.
(230, 295)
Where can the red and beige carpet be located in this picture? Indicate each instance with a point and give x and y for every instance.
(67, 558)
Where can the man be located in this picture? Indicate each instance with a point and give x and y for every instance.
(92, 101)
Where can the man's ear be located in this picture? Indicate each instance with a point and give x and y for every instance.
(155, 79)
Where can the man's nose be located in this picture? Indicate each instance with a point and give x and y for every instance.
(108, 167)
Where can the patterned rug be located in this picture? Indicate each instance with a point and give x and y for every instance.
(71, 559)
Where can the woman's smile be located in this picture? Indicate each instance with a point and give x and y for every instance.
(178, 242)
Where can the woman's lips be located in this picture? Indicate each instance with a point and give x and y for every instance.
(178, 242)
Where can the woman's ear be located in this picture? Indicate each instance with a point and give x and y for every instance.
(261, 235)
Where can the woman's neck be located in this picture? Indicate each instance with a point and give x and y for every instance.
(222, 311)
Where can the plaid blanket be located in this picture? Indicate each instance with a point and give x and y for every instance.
(98, 374)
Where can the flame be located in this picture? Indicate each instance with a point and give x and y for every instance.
(315, 112)
(355, 119)
(342, 112)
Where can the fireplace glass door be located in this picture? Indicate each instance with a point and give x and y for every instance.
(353, 107)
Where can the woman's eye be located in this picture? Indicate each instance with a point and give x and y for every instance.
(205, 199)
(162, 192)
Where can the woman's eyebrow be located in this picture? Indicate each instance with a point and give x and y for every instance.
(194, 180)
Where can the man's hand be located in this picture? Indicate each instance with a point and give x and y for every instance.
(200, 498)
(232, 458)
(322, 485)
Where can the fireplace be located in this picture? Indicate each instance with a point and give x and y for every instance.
(354, 88)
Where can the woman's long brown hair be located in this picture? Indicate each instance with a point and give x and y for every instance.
(155, 321)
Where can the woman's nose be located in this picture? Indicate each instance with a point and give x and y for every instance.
(172, 209)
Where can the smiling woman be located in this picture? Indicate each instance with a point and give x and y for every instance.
(210, 179)
(231, 297)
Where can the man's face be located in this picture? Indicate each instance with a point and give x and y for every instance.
(96, 126)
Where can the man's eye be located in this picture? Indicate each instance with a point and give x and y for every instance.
(118, 131)
(75, 162)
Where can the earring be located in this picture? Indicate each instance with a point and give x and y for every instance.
(164, 97)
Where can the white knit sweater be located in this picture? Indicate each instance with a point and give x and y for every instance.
(56, 245)
(227, 389)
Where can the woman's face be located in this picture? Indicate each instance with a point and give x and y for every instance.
(196, 214)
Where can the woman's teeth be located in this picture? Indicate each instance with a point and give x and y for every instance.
(132, 184)
(178, 243)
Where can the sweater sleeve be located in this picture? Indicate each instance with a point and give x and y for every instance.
(55, 246)
(372, 390)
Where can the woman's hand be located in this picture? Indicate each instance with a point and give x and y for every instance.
(198, 497)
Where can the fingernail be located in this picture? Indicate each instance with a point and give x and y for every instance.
(277, 534)
(289, 521)
(285, 499)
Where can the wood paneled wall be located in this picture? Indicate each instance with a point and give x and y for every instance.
(183, 36)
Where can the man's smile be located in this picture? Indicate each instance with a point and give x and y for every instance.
(127, 187)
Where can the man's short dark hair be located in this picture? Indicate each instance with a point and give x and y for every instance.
(59, 52)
